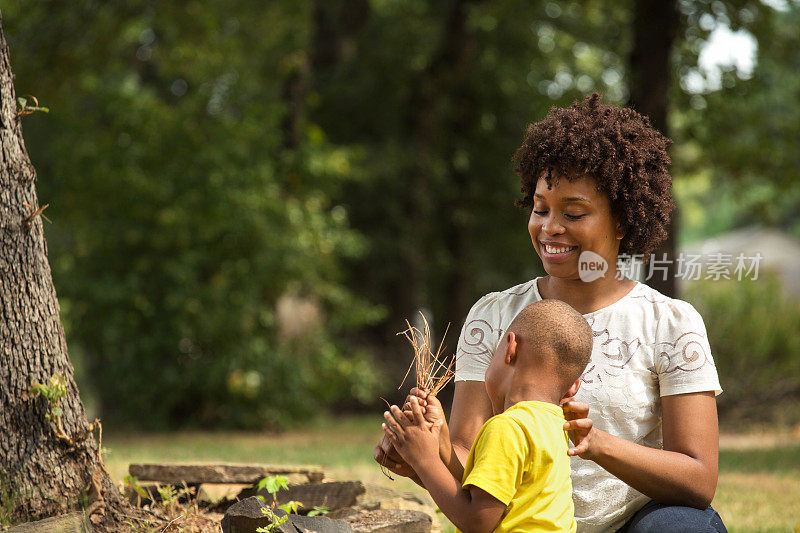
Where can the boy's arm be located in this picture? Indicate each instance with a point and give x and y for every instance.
(417, 441)
(469, 510)
(434, 414)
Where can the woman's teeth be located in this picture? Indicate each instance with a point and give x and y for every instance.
(554, 250)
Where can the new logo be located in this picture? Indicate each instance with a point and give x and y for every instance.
(591, 266)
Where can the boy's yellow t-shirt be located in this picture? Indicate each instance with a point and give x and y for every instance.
(520, 458)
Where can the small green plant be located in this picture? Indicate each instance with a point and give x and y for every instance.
(133, 483)
(319, 510)
(275, 520)
(168, 493)
(24, 109)
(273, 484)
(54, 391)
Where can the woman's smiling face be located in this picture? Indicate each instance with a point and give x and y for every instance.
(569, 218)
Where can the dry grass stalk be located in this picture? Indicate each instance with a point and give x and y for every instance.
(433, 370)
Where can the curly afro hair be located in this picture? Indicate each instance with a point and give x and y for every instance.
(619, 148)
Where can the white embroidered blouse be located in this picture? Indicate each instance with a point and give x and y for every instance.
(646, 345)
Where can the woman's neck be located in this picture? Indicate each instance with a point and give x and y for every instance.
(586, 297)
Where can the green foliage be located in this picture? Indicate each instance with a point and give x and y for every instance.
(53, 392)
(752, 328)
(275, 520)
(133, 482)
(290, 507)
(181, 217)
(436, 195)
(272, 484)
(738, 140)
(319, 510)
(168, 494)
(24, 109)
(207, 160)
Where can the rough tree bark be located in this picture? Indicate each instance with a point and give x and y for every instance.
(47, 467)
(655, 27)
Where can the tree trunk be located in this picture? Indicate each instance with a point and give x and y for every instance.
(41, 473)
(436, 133)
(655, 26)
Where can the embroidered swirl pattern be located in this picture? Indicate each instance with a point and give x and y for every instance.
(477, 333)
(686, 353)
(634, 358)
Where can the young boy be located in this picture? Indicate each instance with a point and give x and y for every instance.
(517, 476)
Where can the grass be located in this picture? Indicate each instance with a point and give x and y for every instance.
(758, 489)
(343, 447)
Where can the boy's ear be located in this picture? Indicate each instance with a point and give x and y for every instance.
(573, 389)
(511, 348)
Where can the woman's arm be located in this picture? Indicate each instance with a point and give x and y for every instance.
(471, 408)
(683, 473)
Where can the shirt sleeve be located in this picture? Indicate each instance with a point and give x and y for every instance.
(683, 356)
(499, 457)
(479, 337)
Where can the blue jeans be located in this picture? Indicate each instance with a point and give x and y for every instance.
(657, 517)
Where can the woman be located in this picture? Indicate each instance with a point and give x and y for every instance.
(644, 422)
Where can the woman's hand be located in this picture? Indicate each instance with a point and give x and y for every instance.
(386, 456)
(683, 472)
(431, 407)
(580, 428)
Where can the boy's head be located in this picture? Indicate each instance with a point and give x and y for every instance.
(544, 352)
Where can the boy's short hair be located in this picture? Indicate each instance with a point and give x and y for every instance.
(552, 328)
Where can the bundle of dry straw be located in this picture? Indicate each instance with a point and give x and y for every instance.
(433, 370)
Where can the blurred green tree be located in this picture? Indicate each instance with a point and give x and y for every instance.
(752, 327)
(185, 207)
(737, 136)
(439, 94)
(207, 160)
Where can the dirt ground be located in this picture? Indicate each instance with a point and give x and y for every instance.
(758, 438)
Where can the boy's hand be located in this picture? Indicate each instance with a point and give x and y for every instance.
(434, 414)
(417, 440)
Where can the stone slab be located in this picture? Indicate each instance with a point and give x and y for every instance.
(197, 473)
(347, 498)
(68, 523)
(334, 494)
(390, 521)
(245, 516)
(319, 524)
(344, 494)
